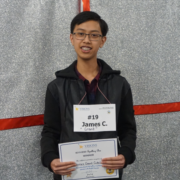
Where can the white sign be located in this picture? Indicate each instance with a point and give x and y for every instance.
(94, 118)
(88, 155)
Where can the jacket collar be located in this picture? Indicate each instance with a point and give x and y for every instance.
(69, 72)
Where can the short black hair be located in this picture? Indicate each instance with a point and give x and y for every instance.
(87, 16)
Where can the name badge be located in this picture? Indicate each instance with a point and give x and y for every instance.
(94, 118)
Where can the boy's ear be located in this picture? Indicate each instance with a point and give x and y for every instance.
(103, 40)
(71, 39)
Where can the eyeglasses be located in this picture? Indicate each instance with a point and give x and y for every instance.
(82, 36)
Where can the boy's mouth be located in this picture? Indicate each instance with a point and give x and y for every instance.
(86, 49)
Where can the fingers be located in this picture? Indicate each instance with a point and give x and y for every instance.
(113, 162)
(117, 162)
(63, 172)
(117, 158)
(62, 168)
(112, 165)
(63, 164)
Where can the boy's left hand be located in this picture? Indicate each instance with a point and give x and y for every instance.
(117, 162)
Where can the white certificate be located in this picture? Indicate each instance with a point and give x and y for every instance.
(94, 118)
(88, 155)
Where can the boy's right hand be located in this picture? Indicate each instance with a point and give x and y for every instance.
(62, 168)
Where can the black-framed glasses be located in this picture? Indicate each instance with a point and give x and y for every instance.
(92, 37)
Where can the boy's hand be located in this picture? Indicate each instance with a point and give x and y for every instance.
(117, 162)
(62, 168)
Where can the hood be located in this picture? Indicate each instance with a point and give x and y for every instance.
(69, 72)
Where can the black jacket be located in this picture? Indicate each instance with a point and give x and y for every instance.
(65, 91)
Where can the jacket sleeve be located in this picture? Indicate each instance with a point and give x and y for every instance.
(127, 128)
(51, 130)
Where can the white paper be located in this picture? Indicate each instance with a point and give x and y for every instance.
(88, 155)
(94, 118)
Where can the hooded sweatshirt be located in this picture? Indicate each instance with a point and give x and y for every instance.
(67, 90)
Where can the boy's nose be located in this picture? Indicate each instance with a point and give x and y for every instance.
(87, 38)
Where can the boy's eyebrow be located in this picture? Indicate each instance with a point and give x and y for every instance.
(85, 30)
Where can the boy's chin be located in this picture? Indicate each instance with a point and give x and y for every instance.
(87, 58)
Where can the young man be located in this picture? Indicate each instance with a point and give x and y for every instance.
(87, 81)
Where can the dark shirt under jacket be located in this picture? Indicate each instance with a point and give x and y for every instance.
(90, 87)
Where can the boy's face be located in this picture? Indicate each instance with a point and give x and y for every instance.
(87, 49)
